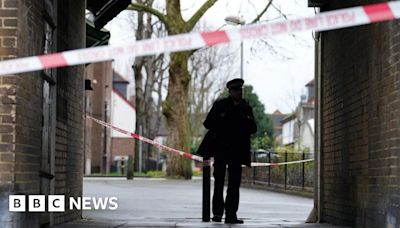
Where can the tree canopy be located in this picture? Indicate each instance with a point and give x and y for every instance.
(175, 106)
(264, 124)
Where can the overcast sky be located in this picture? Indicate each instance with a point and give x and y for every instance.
(277, 72)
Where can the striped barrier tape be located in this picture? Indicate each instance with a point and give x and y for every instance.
(175, 151)
(258, 164)
(330, 20)
(146, 140)
(286, 152)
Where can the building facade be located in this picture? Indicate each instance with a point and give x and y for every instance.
(277, 118)
(41, 145)
(123, 115)
(98, 105)
(98, 84)
(298, 127)
(41, 113)
(358, 127)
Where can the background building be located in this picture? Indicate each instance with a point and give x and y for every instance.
(358, 128)
(277, 118)
(98, 103)
(97, 98)
(123, 115)
(298, 127)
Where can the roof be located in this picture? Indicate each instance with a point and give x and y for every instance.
(117, 77)
(105, 10)
(95, 37)
(289, 118)
(277, 112)
(276, 118)
(310, 83)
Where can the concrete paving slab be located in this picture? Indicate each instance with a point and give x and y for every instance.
(177, 203)
(195, 223)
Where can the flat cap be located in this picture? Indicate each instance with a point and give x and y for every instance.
(236, 83)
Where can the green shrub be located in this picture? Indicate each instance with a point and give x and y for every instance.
(156, 174)
(197, 173)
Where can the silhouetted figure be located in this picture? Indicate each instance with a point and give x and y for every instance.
(230, 123)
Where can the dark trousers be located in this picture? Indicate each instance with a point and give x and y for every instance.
(231, 204)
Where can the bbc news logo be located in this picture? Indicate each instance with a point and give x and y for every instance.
(56, 203)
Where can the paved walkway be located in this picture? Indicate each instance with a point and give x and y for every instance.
(177, 203)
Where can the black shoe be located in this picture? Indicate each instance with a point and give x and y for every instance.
(217, 218)
(233, 221)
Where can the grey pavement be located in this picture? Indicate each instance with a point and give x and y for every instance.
(177, 203)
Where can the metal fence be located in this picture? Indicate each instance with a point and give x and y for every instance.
(290, 176)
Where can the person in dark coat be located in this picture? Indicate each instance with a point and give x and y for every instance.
(230, 123)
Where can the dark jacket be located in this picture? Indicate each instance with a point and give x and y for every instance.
(230, 127)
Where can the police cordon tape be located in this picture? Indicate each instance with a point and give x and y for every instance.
(146, 140)
(342, 18)
(256, 164)
(181, 153)
(280, 151)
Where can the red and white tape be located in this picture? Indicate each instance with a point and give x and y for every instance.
(257, 164)
(146, 140)
(330, 20)
(181, 153)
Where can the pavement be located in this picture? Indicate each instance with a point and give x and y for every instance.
(177, 203)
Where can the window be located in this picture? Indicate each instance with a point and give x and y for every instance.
(48, 87)
(47, 169)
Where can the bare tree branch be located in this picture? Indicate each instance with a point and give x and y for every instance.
(206, 67)
(273, 49)
(280, 12)
(199, 13)
(143, 8)
(262, 12)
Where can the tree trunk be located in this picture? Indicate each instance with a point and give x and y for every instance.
(139, 106)
(175, 109)
(139, 100)
(149, 110)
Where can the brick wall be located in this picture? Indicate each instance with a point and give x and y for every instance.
(360, 124)
(20, 116)
(121, 147)
(101, 95)
(8, 42)
(21, 103)
(88, 133)
(70, 94)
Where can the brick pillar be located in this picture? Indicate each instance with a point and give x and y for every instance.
(8, 43)
(70, 106)
(21, 108)
(361, 127)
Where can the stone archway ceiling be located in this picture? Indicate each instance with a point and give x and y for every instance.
(105, 10)
(96, 37)
(317, 3)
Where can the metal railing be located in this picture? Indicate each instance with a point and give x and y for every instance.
(294, 176)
